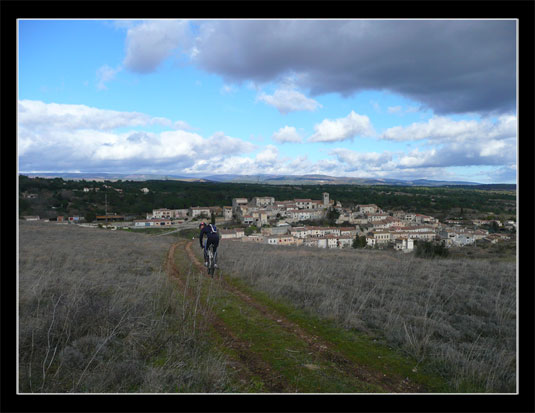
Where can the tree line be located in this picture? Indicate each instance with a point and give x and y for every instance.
(57, 196)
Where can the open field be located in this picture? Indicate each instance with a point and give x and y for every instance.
(120, 311)
(98, 313)
(457, 315)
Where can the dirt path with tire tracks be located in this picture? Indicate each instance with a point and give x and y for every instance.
(316, 344)
(249, 363)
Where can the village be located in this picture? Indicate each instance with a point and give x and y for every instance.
(266, 220)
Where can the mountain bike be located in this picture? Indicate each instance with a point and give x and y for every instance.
(211, 260)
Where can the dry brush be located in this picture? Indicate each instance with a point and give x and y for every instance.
(459, 316)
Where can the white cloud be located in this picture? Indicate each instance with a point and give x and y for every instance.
(52, 136)
(394, 109)
(288, 100)
(150, 42)
(227, 89)
(287, 134)
(104, 75)
(342, 129)
(442, 129)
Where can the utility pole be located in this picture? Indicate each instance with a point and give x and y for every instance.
(106, 203)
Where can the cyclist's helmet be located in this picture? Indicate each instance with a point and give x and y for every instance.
(202, 224)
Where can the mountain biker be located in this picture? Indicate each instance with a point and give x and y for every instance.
(212, 238)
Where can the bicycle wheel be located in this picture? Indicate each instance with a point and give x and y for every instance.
(211, 261)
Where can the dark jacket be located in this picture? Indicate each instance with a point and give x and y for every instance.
(211, 233)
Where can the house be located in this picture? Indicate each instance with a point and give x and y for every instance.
(163, 213)
(303, 203)
(231, 233)
(217, 211)
(281, 229)
(248, 220)
(262, 201)
(31, 218)
(377, 217)
(345, 241)
(349, 231)
(254, 238)
(237, 202)
(260, 217)
(152, 223)
(199, 212)
(227, 213)
(299, 232)
(110, 217)
(368, 209)
(425, 219)
(404, 244)
(280, 240)
(227, 233)
(382, 236)
(332, 241)
(145, 190)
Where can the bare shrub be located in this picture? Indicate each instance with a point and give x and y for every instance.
(458, 315)
(97, 313)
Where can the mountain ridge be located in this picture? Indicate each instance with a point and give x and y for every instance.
(271, 179)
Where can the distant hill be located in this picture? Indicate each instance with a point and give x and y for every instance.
(326, 179)
(113, 177)
(271, 179)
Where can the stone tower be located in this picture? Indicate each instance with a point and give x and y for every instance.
(326, 199)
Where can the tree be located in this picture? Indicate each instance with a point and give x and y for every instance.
(212, 218)
(332, 216)
(250, 229)
(359, 242)
(90, 216)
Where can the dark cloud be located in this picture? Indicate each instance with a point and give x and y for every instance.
(450, 66)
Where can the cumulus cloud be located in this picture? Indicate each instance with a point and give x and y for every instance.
(73, 137)
(362, 160)
(287, 134)
(104, 75)
(342, 129)
(149, 43)
(451, 66)
(288, 100)
(440, 129)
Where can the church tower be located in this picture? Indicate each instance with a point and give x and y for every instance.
(326, 199)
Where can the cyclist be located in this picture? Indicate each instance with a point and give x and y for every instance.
(212, 237)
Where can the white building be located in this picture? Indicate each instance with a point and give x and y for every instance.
(368, 209)
(404, 244)
(152, 223)
(199, 212)
(227, 213)
(262, 201)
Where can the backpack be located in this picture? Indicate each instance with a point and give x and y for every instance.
(213, 229)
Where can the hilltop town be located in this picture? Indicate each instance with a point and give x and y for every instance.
(321, 223)
(280, 223)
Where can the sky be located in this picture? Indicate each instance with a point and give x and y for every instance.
(399, 99)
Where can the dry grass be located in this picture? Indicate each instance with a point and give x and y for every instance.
(98, 314)
(457, 315)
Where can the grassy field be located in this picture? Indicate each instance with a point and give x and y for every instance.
(102, 311)
(98, 313)
(456, 316)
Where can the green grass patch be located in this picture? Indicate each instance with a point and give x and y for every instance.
(359, 347)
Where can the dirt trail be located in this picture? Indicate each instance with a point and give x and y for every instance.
(250, 363)
(316, 344)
